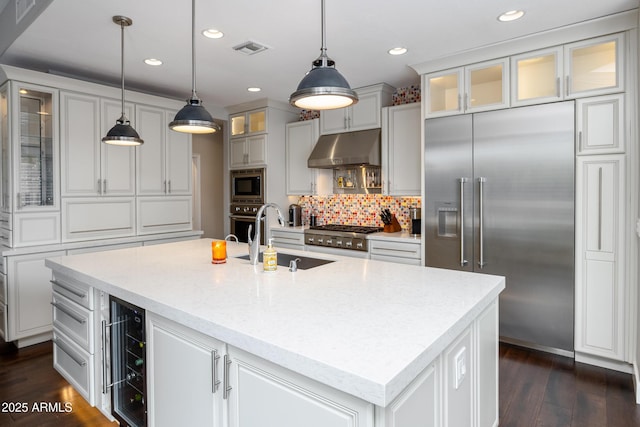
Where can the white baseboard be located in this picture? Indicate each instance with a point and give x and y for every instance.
(605, 363)
(636, 382)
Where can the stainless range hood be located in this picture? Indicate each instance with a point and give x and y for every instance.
(346, 149)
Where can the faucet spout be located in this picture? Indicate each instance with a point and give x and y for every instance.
(254, 244)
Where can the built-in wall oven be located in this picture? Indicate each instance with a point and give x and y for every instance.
(247, 195)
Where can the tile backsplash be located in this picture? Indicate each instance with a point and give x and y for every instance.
(356, 209)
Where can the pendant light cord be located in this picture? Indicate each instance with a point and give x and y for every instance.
(122, 118)
(323, 49)
(193, 49)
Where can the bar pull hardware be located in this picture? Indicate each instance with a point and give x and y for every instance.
(463, 261)
(75, 292)
(227, 388)
(99, 186)
(580, 141)
(214, 365)
(103, 339)
(169, 186)
(70, 353)
(459, 102)
(104, 186)
(558, 87)
(481, 182)
(600, 209)
(164, 183)
(69, 313)
(567, 88)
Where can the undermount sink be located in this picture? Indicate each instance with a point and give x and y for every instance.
(303, 262)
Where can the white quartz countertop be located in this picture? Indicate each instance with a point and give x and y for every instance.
(365, 327)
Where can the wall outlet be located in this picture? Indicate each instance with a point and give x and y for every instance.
(460, 362)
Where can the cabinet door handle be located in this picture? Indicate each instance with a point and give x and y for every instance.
(558, 87)
(214, 366)
(104, 186)
(227, 387)
(600, 209)
(169, 186)
(75, 292)
(579, 140)
(164, 185)
(463, 261)
(481, 182)
(69, 313)
(459, 102)
(70, 353)
(99, 186)
(566, 90)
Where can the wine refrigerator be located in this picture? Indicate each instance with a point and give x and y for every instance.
(128, 363)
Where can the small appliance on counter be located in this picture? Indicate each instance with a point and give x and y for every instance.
(416, 221)
(295, 215)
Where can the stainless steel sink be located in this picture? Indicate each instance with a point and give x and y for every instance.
(303, 262)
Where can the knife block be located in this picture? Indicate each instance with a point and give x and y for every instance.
(393, 227)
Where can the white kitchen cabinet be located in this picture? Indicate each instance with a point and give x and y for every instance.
(365, 114)
(248, 122)
(458, 382)
(600, 125)
(401, 144)
(190, 395)
(164, 214)
(164, 160)
(402, 251)
(90, 218)
(301, 137)
(594, 66)
(536, 77)
(248, 152)
(601, 289)
(477, 87)
(29, 149)
(89, 167)
(487, 372)
(288, 238)
(29, 296)
(264, 394)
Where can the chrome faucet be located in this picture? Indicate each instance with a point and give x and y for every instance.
(254, 245)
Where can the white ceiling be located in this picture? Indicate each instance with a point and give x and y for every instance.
(79, 38)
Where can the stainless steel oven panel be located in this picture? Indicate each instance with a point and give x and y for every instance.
(247, 186)
(240, 227)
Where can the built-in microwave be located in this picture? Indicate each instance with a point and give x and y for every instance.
(247, 186)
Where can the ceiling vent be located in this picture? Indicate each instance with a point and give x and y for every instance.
(250, 48)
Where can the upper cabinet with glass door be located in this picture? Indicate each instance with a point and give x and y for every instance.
(5, 151)
(595, 66)
(249, 123)
(477, 87)
(35, 150)
(536, 77)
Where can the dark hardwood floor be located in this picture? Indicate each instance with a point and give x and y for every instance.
(540, 389)
(536, 389)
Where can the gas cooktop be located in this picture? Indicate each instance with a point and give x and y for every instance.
(339, 236)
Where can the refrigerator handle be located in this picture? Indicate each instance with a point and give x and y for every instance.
(481, 182)
(463, 261)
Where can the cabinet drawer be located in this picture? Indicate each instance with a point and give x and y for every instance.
(164, 214)
(395, 249)
(74, 320)
(73, 290)
(90, 218)
(74, 364)
(3, 321)
(36, 229)
(3, 288)
(396, 259)
(287, 240)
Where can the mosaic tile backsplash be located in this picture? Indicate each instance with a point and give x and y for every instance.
(357, 209)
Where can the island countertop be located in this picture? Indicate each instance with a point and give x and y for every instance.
(365, 327)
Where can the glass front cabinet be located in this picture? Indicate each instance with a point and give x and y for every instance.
(29, 142)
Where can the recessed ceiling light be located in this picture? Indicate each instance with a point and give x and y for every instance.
(254, 89)
(213, 33)
(153, 61)
(511, 15)
(397, 51)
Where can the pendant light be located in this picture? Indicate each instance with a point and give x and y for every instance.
(193, 117)
(323, 87)
(122, 133)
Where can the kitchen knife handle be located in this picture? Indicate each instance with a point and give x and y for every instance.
(463, 261)
(481, 182)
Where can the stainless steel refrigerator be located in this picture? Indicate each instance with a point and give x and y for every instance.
(499, 199)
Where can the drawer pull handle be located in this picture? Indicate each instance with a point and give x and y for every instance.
(75, 292)
(226, 390)
(216, 382)
(70, 353)
(70, 313)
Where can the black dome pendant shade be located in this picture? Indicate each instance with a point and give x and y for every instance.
(122, 133)
(323, 87)
(193, 117)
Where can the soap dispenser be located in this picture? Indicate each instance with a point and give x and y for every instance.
(270, 257)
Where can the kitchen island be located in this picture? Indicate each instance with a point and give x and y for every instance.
(353, 342)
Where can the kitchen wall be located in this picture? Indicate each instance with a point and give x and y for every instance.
(212, 211)
(356, 209)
